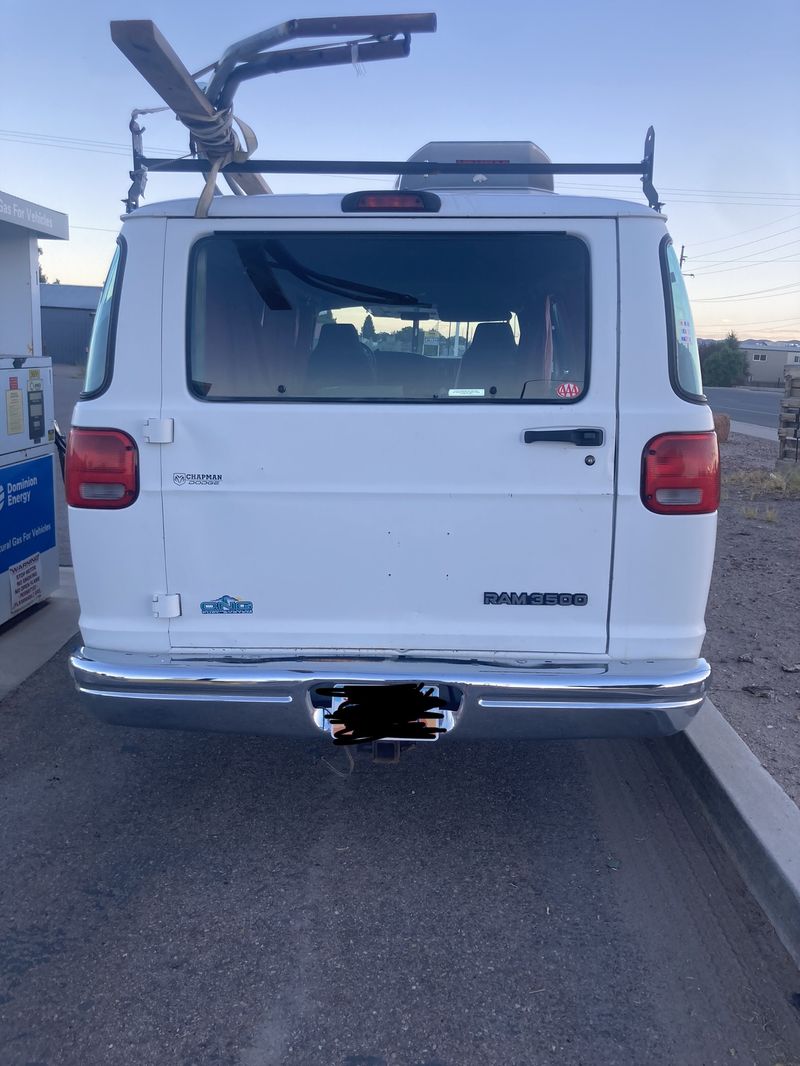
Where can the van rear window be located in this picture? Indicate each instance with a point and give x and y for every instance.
(101, 344)
(684, 355)
(466, 318)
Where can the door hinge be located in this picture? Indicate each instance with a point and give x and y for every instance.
(166, 605)
(159, 430)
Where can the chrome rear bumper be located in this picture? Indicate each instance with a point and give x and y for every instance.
(514, 699)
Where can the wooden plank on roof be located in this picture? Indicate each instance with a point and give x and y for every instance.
(141, 42)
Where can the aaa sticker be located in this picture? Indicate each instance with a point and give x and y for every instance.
(568, 390)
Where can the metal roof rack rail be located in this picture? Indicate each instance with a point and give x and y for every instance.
(354, 166)
(209, 115)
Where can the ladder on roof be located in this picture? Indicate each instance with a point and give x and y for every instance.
(208, 115)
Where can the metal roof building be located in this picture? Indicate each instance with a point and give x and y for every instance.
(67, 316)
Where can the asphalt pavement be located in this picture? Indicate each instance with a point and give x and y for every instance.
(756, 406)
(175, 898)
(190, 899)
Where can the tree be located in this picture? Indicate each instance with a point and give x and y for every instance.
(368, 330)
(723, 362)
(43, 278)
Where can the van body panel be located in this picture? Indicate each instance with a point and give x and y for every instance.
(474, 204)
(662, 563)
(380, 525)
(118, 556)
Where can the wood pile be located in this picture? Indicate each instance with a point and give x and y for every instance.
(789, 419)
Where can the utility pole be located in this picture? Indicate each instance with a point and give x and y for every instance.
(680, 264)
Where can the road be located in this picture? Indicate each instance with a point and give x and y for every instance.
(196, 900)
(757, 406)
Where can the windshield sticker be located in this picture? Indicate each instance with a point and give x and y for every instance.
(568, 390)
(226, 605)
(685, 332)
(197, 479)
(466, 392)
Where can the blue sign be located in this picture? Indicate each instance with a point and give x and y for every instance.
(27, 510)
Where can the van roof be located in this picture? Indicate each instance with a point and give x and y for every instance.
(500, 203)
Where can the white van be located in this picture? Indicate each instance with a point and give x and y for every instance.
(449, 437)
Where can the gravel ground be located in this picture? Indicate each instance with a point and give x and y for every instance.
(753, 641)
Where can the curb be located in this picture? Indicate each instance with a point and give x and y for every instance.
(757, 823)
(748, 429)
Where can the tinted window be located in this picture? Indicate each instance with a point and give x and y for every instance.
(684, 354)
(98, 364)
(392, 317)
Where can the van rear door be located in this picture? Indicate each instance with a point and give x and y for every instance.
(390, 434)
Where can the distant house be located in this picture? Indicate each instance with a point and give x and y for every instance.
(766, 360)
(67, 317)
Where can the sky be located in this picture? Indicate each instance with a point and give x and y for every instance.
(719, 80)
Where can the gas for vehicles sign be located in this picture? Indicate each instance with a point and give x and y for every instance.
(27, 511)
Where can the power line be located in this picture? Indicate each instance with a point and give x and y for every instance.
(761, 322)
(729, 192)
(689, 197)
(117, 148)
(75, 144)
(744, 266)
(749, 258)
(750, 229)
(790, 257)
(747, 244)
(757, 294)
(681, 191)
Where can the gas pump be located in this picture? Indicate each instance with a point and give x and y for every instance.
(28, 550)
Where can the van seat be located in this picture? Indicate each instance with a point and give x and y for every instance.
(339, 358)
(491, 360)
(398, 368)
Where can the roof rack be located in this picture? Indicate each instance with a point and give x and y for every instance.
(215, 147)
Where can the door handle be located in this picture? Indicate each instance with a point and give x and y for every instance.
(584, 438)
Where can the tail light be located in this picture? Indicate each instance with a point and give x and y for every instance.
(102, 469)
(680, 473)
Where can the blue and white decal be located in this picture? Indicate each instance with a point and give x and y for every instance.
(27, 511)
(226, 605)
